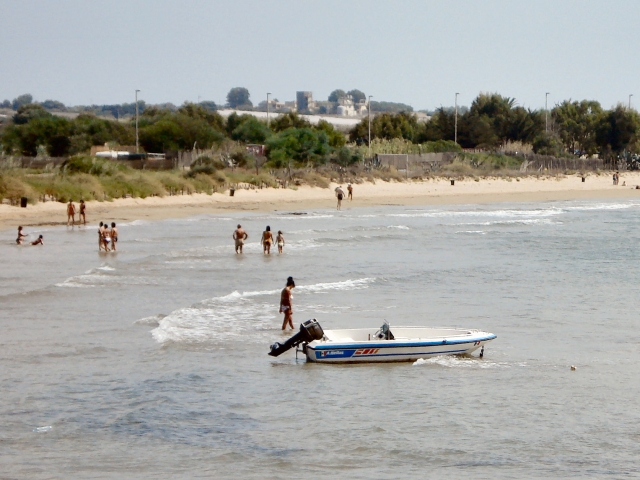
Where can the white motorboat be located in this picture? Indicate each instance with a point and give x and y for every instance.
(386, 344)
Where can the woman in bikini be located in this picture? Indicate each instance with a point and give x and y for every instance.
(267, 240)
(285, 304)
(280, 241)
(21, 236)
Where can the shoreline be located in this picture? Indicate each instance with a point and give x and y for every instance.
(428, 192)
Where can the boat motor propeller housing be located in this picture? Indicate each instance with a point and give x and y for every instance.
(309, 331)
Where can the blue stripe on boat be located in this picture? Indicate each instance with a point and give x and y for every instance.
(357, 345)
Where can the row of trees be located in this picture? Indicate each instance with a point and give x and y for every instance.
(571, 128)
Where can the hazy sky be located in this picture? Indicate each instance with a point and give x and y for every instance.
(415, 52)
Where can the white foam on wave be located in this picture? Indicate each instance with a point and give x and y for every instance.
(134, 223)
(452, 361)
(471, 232)
(481, 213)
(152, 321)
(104, 268)
(43, 429)
(241, 316)
(522, 221)
(602, 206)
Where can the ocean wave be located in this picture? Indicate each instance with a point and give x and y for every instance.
(523, 221)
(452, 361)
(152, 321)
(481, 213)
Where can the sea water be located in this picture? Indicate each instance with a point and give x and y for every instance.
(152, 361)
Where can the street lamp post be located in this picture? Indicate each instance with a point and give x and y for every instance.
(137, 143)
(455, 128)
(369, 113)
(630, 95)
(268, 93)
(546, 113)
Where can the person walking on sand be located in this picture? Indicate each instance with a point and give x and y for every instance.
(71, 213)
(267, 240)
(239, 236)
(280, 241)
(21, 236)
(350, 192)
(340, 195)
(38, 241)
(114, 236)
(285, 304)
(82, 218)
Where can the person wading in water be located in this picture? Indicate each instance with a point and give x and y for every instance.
(285, 303)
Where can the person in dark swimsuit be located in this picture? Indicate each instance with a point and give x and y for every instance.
(285, 304)
(114, 236)
(38, 241)
(82, 218)
(267, 240)
(340, 195)
(21, 236)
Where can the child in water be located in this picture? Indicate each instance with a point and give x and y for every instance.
(38, 241)
(280, 241)
(21, 236)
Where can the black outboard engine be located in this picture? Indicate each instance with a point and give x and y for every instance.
(309, 331)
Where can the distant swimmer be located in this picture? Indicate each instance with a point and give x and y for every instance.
(350, 191)
(21, 236)
(82, 217)
(340, 195)
(267, 240)
(280, 241)
(285, 303)
(71, 213)
(114, 236)
(38, 241)
(239, 236)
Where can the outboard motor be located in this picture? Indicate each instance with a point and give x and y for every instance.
(309, 331)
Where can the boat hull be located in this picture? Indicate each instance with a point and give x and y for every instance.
(402, 350)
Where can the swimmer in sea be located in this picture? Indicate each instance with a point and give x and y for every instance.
(38, 241)
(239, 236)
(280, 241)
(267, 240)
(71, 213)
(285, 304)
(114, 236)
(21, 236)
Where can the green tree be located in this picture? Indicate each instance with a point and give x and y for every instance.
(289, 120)
(209, 105)
(238, 97)
(335, 138)
(387, 126)
(577, 124)
(24, 99)
(337, 95)
(303, 146)
(357, 95)
(53, 105)
(251, 131)
(617, 130)
(28, 112)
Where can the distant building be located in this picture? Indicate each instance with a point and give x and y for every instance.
(305, 102)
(347, 108)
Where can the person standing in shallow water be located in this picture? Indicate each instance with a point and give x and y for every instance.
(21, 236)
(280, 241)
(71, 213)
(267, 240)
(114, 236)
(340, 195)
(239, 236)
(285, 304)
(81, 217)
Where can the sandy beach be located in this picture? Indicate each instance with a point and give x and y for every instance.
(430, 192)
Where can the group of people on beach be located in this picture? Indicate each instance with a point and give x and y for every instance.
(22, 235)
(107, 238)
(71, 213)
(240, 235)
(340, 194)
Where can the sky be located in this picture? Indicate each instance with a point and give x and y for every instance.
(415, 52)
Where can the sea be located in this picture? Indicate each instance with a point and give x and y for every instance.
(152, 362)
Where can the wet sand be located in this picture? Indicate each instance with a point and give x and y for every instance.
(430, 192)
